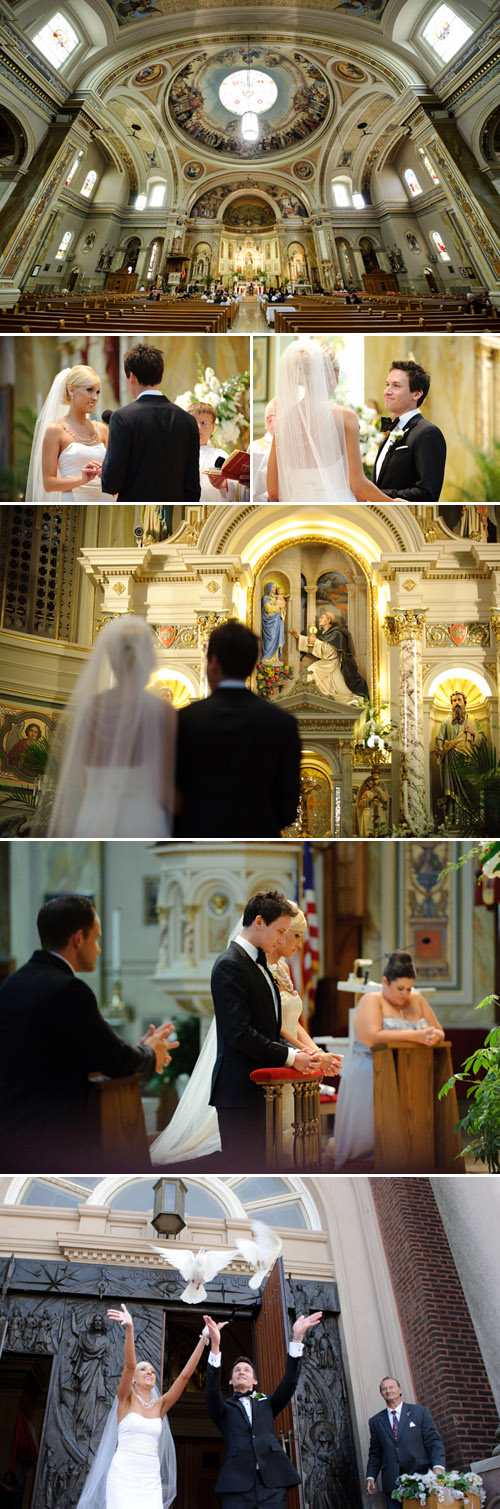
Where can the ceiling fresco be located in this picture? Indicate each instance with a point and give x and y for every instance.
(126, 11)
(303, 102)
(209, 203)
(249, 214)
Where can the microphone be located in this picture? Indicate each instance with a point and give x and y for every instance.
(219, 463)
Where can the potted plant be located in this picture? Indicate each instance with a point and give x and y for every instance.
(432, 1489)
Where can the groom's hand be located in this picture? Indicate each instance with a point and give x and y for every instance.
(156, 1039)
(307, 1062)
(214, 1333)
(303, 1323)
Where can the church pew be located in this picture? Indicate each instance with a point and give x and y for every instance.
(116, 324)
(116, 1126)
(367, 320)
(414, 1130)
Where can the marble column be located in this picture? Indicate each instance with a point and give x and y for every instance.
(469, 189)
(495, 624)
(404, 629)
(25, 216)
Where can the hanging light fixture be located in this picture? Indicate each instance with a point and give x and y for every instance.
(249, 126)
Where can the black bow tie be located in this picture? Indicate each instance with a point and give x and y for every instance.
(240, 1396)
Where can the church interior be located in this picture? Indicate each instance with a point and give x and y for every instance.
(147, 150)
(412, 591)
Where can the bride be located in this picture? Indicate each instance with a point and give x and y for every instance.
(315, 456)
(68, 446)
(111, 765)
(135, 1461)
(193, 1131)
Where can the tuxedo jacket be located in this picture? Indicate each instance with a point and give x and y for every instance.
(414, 467)
(418, 1448)
(52, 1037)
(248, 1017)
(153, 453)
(238, 767)
(249, 1446)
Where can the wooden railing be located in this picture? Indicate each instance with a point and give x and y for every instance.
(306, 1146)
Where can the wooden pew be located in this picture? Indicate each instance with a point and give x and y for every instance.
(414, 1130)
(116, 1126)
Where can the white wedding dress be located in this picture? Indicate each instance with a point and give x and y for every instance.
(70, 463)
(134, 1476)
(309, 435)
(129, 792)
(354, 1130)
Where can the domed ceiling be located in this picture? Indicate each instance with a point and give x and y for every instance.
(303, 103)
(208, 205)
(248, 214)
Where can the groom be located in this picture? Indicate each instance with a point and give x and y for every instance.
(411, 459)
(153, 453)
(256, 1471)
(247, 1008)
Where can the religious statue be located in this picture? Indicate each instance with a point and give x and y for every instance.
(156, 520)
(337, 674)
(273, 608)
(456, 737)
(371, 807)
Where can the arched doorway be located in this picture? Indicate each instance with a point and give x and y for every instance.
(131, 254)
(430, 280)
(368, 253)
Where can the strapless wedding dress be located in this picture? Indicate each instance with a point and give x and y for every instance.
(119, 802)
(308, 486)
(134, 1476)
(354, 1130)
(70, 463)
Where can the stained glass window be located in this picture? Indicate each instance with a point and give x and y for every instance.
(248, 89)
(56, 40)
(152, 258)
(64, 245)
(412, 181)
(446, 32)
(73, 168)
(437, 239)
(89, 184)
(430, 169)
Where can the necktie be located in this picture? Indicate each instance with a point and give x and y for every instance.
(394, 1425)
(261, 958)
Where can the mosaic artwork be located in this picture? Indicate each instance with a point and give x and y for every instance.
(303, 170)
(249, 214)
(209, 203)
(303, 101)
(147, 76)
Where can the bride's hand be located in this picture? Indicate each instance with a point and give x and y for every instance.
(123, 1316)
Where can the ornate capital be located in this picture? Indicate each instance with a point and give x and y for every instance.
(405, 624)
(495, 624)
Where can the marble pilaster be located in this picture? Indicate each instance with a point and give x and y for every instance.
(404, 629)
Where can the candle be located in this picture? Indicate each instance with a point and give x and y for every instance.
(116, 918)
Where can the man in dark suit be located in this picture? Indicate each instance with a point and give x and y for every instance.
(256, 1470)
(52, 1037)
(153, 447)
(403, 1438)
(238, 756)
(247, 1008)
(411, 459)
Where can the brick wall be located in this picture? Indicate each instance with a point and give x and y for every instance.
(443, 1351)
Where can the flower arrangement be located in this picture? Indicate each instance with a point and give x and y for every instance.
(228, 398)
(448, 1487)
(270, 678)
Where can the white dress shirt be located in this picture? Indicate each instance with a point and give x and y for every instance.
(295, 1349)
(403, 419)
(252, 954)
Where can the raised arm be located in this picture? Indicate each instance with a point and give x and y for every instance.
(174, 1393)
(129, 1358)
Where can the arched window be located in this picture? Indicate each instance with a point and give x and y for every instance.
(152, 259)
(89, 184)
(446, 32)
(431, 171)
(340, 195)
(56, 40)
(439, 243)
(73, 168)
(412, 181)
(68, 235)
(157, 195)
(140, 203)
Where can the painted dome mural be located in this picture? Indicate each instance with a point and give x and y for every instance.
(209, 203)
(300, 106)
(248, 214)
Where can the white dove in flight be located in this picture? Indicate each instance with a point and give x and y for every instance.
(262, 1253)
(197, 1267)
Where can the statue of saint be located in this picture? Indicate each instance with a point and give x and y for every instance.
(273, 608)
(371, 807)
(456, 736)
(337, 674)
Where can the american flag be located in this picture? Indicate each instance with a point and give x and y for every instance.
(310, 956)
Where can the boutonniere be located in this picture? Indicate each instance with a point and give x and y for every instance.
(256, 1395)
(394, 436)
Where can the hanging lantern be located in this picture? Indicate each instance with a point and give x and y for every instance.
(249, 126)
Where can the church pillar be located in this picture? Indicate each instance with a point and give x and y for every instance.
(471, 193)
(404, 629)
(25, 217)
(346, 751)
(495, 624)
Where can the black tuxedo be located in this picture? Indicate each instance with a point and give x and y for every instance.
(414, 467)
(52, 1037)
(153, 453)
(254, 1457)
(419, 1446)
(238, 767)
(248, 1017)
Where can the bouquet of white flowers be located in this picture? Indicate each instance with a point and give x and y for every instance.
(226, 398)
(448, 1487)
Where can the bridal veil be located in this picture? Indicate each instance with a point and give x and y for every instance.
(56, 404)
(94, 1491)
(309, 429)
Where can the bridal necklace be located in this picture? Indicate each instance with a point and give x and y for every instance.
(84, 437)
(147, 1405)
